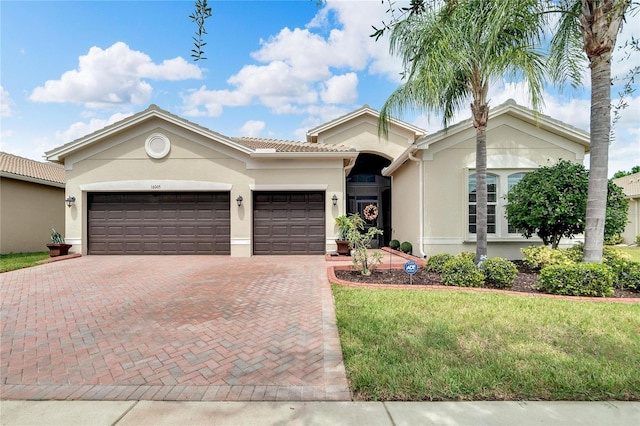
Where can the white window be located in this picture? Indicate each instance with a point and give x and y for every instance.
(498, 184)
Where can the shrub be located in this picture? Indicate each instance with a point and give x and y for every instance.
(579, 279)
(394, 244)
(638, 239)
(499, 272)
(629, 277)
(406, 247)
(542, 256)
(360, 242)
(467, 255)
(612, 240)
(436, 262)
(614, 258)
(461, 273)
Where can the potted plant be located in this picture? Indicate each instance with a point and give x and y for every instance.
(57, 246)
(344, 225)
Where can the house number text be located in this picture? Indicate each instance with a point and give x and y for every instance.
(155, 186)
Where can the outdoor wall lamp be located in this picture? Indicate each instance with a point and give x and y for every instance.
(70, 200)
(239, 200)
(334, 199)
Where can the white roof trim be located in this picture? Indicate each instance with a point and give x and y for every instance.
(365, 110)
(151, 185)
(290, 187)
(58, 154)
(29, 179)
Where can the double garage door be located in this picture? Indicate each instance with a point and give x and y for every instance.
(159, 223)
(199, 223)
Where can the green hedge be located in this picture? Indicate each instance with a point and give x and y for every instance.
(394, 244)
(406, 247)
(461, 273)
(499, 272)
(580, 279)
(436, 262)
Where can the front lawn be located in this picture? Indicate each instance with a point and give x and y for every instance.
(13, 261)
(446, 345)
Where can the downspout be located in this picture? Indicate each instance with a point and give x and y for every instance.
(421, 203)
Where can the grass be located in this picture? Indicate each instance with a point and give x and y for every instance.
(13, 261)
(633, 252)
(445, 345)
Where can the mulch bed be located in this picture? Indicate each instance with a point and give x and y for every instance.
(525, 281)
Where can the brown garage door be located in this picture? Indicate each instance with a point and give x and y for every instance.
(159, 223)
(288, 223)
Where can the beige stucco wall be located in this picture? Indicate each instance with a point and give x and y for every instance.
(362, 134)
(405, 205)
(632, 230)
(512, 146)
(194, 160)
(27, 213)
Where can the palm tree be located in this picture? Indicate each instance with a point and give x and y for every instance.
(452, 54)
(591, 27)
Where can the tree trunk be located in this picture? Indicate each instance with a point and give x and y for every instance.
(600, 22)
(480, 118)
(599, 158)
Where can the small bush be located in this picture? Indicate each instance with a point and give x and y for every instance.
(394, 244)
(461, 273)
(499, 272)
(542, 256)
(611, 256)
(406, 247)
(629, 277)
(638, 239)
(467, 255)
(580, 279)
(613, 240)
(436, 262)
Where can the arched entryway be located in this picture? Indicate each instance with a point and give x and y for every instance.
(365, 186)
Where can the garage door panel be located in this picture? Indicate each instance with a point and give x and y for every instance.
(159, 223)
(289, 222)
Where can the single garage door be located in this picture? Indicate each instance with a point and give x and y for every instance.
(159, 223)
(288, 222)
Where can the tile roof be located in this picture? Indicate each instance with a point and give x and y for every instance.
(630, 185)
(32, 169)
(288, 146)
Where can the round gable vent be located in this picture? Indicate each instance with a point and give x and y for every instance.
(157, 145)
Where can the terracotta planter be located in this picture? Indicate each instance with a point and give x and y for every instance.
(343, 247)
(58, 249)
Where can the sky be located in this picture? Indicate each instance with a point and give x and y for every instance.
(274, 69)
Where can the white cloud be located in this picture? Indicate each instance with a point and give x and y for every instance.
(300, 68)
(252, 128)
(340, 89)
(112, 77)
(6, 103)
(80, 129)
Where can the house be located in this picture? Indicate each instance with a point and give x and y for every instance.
(155, 183)
(630, 185)
(31, 202)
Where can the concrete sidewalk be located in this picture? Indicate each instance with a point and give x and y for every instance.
(121, 413)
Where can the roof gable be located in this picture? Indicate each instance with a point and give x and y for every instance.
(237, 147)
(364, 111)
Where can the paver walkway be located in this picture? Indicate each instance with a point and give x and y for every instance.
(171, 328)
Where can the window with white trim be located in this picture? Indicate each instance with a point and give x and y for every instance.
(498, 184)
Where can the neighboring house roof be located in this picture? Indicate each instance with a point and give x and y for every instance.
(312, 135)
(261, 148)
(630, 185)
(510, 107)
(19, 168)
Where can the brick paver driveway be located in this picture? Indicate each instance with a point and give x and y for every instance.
(171, 328)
